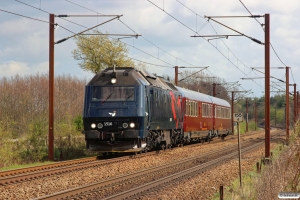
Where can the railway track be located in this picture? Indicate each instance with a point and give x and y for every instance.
(135, 184)
(27, 174)
(45, 167)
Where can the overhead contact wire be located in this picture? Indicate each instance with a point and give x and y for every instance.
(70, 30)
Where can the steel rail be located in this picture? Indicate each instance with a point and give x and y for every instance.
(11, 176)
(45, 166)
(113, 181)
(180, 175)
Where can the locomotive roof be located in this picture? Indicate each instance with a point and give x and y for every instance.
(124, 75)
(202, 97)
(130, 76)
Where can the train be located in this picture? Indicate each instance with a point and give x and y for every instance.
(130, 110)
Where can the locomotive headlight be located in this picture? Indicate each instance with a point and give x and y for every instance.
(100, 125)
(132, 125)
(93, 125)
(113, 80)
(125, 125)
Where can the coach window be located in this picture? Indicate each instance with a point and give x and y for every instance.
(204, 110)
(228, 113)
(223, 113)
(207, 110)
(186, 106)
(194, 108)
(216, 112)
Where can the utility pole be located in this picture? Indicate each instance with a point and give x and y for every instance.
(255, 114)
(295, 104)
(267, 86)
(275, 117)
(246, 115)
(51, 89)
(176, 75)
(298, 106)
(287, 105)
(232, 110)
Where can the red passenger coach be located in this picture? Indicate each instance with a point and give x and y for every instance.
(204, 116)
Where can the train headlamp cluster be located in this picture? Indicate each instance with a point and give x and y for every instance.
(100, 125)
(113, 80)
(93, 125)
(124, 125)
(131, 125)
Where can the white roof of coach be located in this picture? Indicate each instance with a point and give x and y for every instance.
(202, 97)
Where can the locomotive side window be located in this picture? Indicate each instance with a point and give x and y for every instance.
(113, 94)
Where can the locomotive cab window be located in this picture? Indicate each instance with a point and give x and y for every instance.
(113, 94)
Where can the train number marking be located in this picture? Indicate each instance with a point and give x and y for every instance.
(107, 123)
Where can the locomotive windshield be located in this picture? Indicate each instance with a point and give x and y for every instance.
(113, 94)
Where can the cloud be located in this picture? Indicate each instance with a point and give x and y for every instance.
(11, 68)
(24, 43)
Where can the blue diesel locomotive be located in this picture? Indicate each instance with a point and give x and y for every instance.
(128, 110)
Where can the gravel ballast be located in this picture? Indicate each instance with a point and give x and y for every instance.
(204, 183)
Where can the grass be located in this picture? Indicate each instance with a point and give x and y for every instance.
(249, 181)
(251, 127)
(274, 176)
(25, 165)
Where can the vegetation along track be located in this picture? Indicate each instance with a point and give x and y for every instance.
(30, 173)
(146, 180)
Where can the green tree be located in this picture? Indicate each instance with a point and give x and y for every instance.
(97, 52)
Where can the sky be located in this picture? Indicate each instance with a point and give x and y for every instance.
(166, 27)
